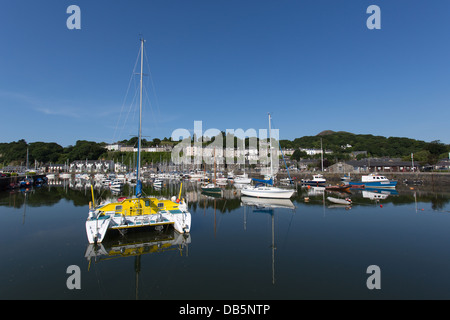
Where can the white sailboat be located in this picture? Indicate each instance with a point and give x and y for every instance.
(268, 191)
(138, 211)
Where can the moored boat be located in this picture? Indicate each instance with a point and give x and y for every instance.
(317, 179)
(211, 187)
(347, 201)
(374, 181)
(267, 190)
(341, 187)
(139, 211)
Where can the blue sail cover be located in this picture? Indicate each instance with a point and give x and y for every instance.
(138, 188)
(264, 181)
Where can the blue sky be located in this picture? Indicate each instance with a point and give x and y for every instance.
(313, 64)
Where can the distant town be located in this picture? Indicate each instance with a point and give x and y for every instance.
(328, 151)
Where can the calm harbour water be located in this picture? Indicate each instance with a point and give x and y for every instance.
(236, 250)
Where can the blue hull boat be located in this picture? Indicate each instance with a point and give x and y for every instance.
(374, 181)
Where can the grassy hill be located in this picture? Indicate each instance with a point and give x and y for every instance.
(343, 143)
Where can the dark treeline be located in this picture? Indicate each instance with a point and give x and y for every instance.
(15, 153)
(341, 144)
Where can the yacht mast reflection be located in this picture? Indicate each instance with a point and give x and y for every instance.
(267, 205)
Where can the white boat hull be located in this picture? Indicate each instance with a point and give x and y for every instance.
(267, 192)
(97, 227)
(339, 201)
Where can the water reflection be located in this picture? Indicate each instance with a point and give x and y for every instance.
(260, 246)
(78, 191)
(267, 206)
(267, 203)
(137, 244)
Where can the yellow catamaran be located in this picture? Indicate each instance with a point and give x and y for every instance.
(139, 211)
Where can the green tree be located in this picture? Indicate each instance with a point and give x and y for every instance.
(297, 155)
(45, 152)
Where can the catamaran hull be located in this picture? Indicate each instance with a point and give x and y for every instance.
(97, 228)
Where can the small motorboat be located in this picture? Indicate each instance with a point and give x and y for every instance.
(339, 200)
(341, 188)
(317, 180)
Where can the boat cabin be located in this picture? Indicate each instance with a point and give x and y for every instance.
(138, 206)
(373, 178)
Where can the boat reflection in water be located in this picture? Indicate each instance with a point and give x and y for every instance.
(136, 244)
(267, 202)
(267, 205)
(378, 194)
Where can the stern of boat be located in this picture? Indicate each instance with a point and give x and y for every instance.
(181, 220)
(96, 228)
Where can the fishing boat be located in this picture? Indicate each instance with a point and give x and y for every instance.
(347, 201)
(374, 181)
(316, 180)
(266, 189)
(138, 211)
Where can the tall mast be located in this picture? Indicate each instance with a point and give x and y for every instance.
(140, 113)
(270, 148)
